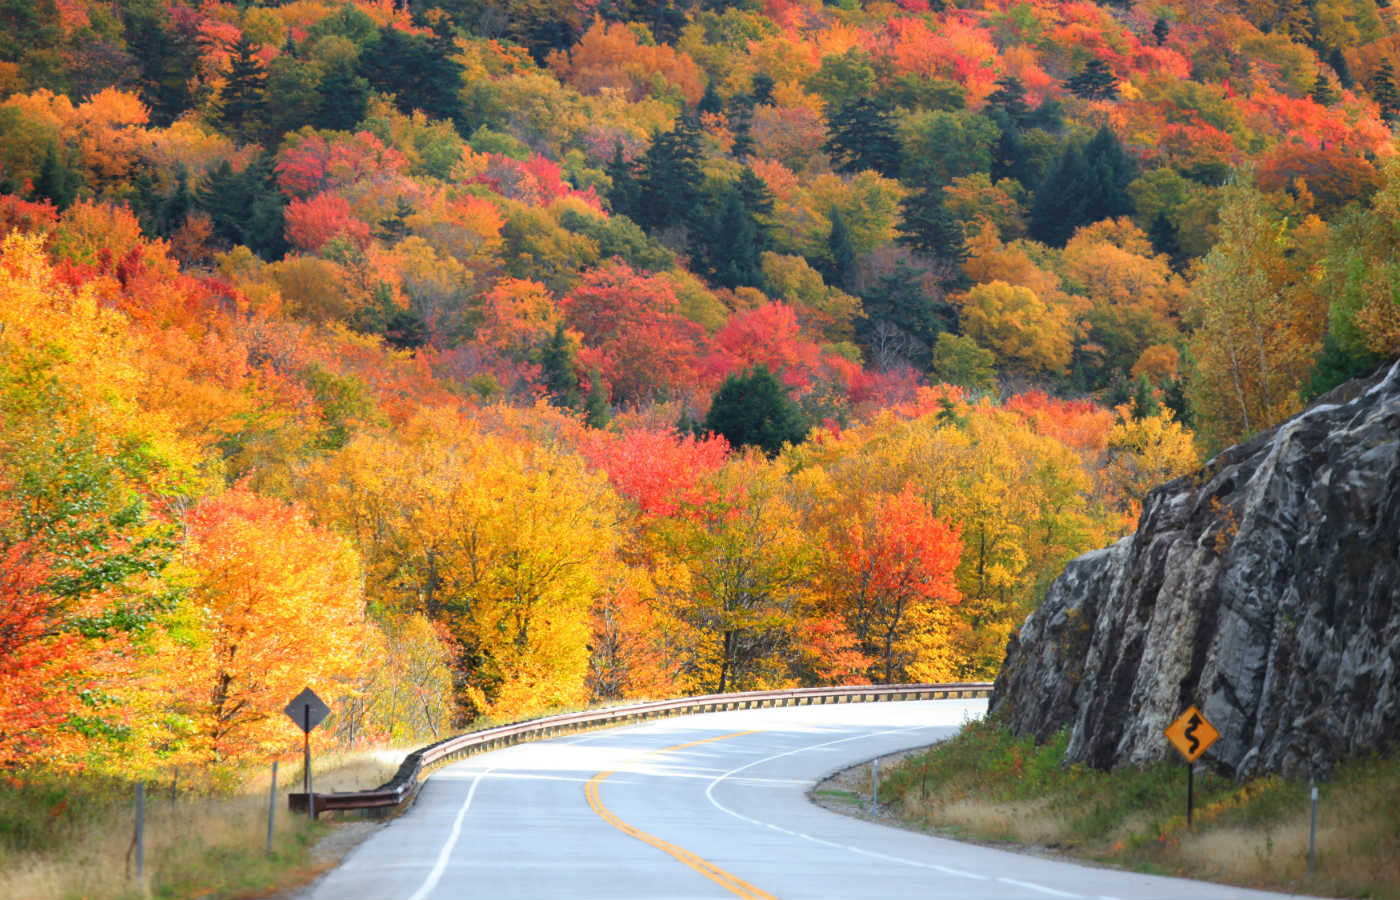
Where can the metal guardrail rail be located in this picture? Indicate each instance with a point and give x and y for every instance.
(397, 793)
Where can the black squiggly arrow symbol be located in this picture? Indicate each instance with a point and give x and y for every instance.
(1190, 732)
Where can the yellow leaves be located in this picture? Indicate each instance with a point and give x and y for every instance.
(507, 541)
(1144, 453)
(1016, 324)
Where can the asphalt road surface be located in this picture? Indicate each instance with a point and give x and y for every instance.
(702, 806)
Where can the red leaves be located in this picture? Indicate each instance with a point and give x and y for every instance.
(663, 472)
(317, 163)
(645, 348)
(311, 223)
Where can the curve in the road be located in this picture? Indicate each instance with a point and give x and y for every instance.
(702, 806)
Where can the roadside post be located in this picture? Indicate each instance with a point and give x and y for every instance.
(307, 711)
(1191, 734)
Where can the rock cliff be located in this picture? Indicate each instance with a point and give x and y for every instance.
(1265, 589)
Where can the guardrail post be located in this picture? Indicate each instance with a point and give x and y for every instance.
(271, 807)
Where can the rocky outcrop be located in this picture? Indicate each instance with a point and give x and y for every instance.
(1265, 589)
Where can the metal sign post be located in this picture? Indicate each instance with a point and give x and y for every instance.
(1191, 734)
(307, 711)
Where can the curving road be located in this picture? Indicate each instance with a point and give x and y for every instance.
(703, 806)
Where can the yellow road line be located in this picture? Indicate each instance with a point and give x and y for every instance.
(730, 882)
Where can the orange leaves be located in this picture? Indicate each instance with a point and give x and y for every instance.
(277, 606)
(610, 58)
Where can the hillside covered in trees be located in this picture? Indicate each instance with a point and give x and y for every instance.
(483, 357)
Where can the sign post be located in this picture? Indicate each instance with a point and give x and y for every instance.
(1191, 734)
(307, 711)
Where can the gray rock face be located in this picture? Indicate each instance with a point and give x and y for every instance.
(1265, 589)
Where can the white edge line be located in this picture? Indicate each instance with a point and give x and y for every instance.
(709, 794)
(440, 866)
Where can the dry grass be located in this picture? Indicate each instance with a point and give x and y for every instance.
(986, 785)
(74, 838)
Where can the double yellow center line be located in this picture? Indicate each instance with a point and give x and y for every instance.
(731, 882)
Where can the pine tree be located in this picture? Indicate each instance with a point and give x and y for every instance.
(1322, 92)
(668, 188)
(1384, 93)
(763, 85)
(1095, 82)
(557, 367)
(1165, 239)
(1085, 185)
(735, 236)
(1338, 61)
(595, 406)
(928, 227)
(173, 209)
(419, 71)
(241, 102)
(623, 195)
(741, 124)
(710, 101)
(754, 410)
(1160, 29)
(245, 207)
(901, 321)
(840, 262)
(1010, 98)
(344, 97)
(57, 181)
(862, 135)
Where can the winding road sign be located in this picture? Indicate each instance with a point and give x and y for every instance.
(1191, 734)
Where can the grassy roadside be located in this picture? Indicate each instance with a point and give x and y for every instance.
(985, 785)
(72, 837)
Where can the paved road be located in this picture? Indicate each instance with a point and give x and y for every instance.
(705, 806)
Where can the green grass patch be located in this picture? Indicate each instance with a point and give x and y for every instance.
(988, 785)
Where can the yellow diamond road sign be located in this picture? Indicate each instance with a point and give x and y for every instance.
(1191, 734)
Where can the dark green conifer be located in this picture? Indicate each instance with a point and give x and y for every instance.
(596, 412)
(753, 409)
(57, 181)
(862, 135)
(245, 90)
(840, 262)
(1160, 29)
(668, 187)
(557, 367)
(1384, 93)
(928, 227)
(1095, 81)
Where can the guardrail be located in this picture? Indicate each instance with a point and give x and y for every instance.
(397, 793)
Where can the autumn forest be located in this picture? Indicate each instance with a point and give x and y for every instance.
(469, 359)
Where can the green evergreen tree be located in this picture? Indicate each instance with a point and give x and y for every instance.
(753, 409)
(734, 237)
(741, 125)
(1338, 61)
(1322, 92)
(624, 194)
(862, 135)
(57, 181)
(342, 98)
(168, 59)
(1384, 93)
(557, 367)
(595, 405)
(763, 85)
(668, 187)
(241, 102)
(420, 71)
(839, 264)
(1084, 185)
(175, 207)
(245, 207)
(1010, 99)
(900, 321)
(928, 227)
(1009, 158)
(710, 101)
(1160, 30)
(1164, 236)
(1095, 81)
